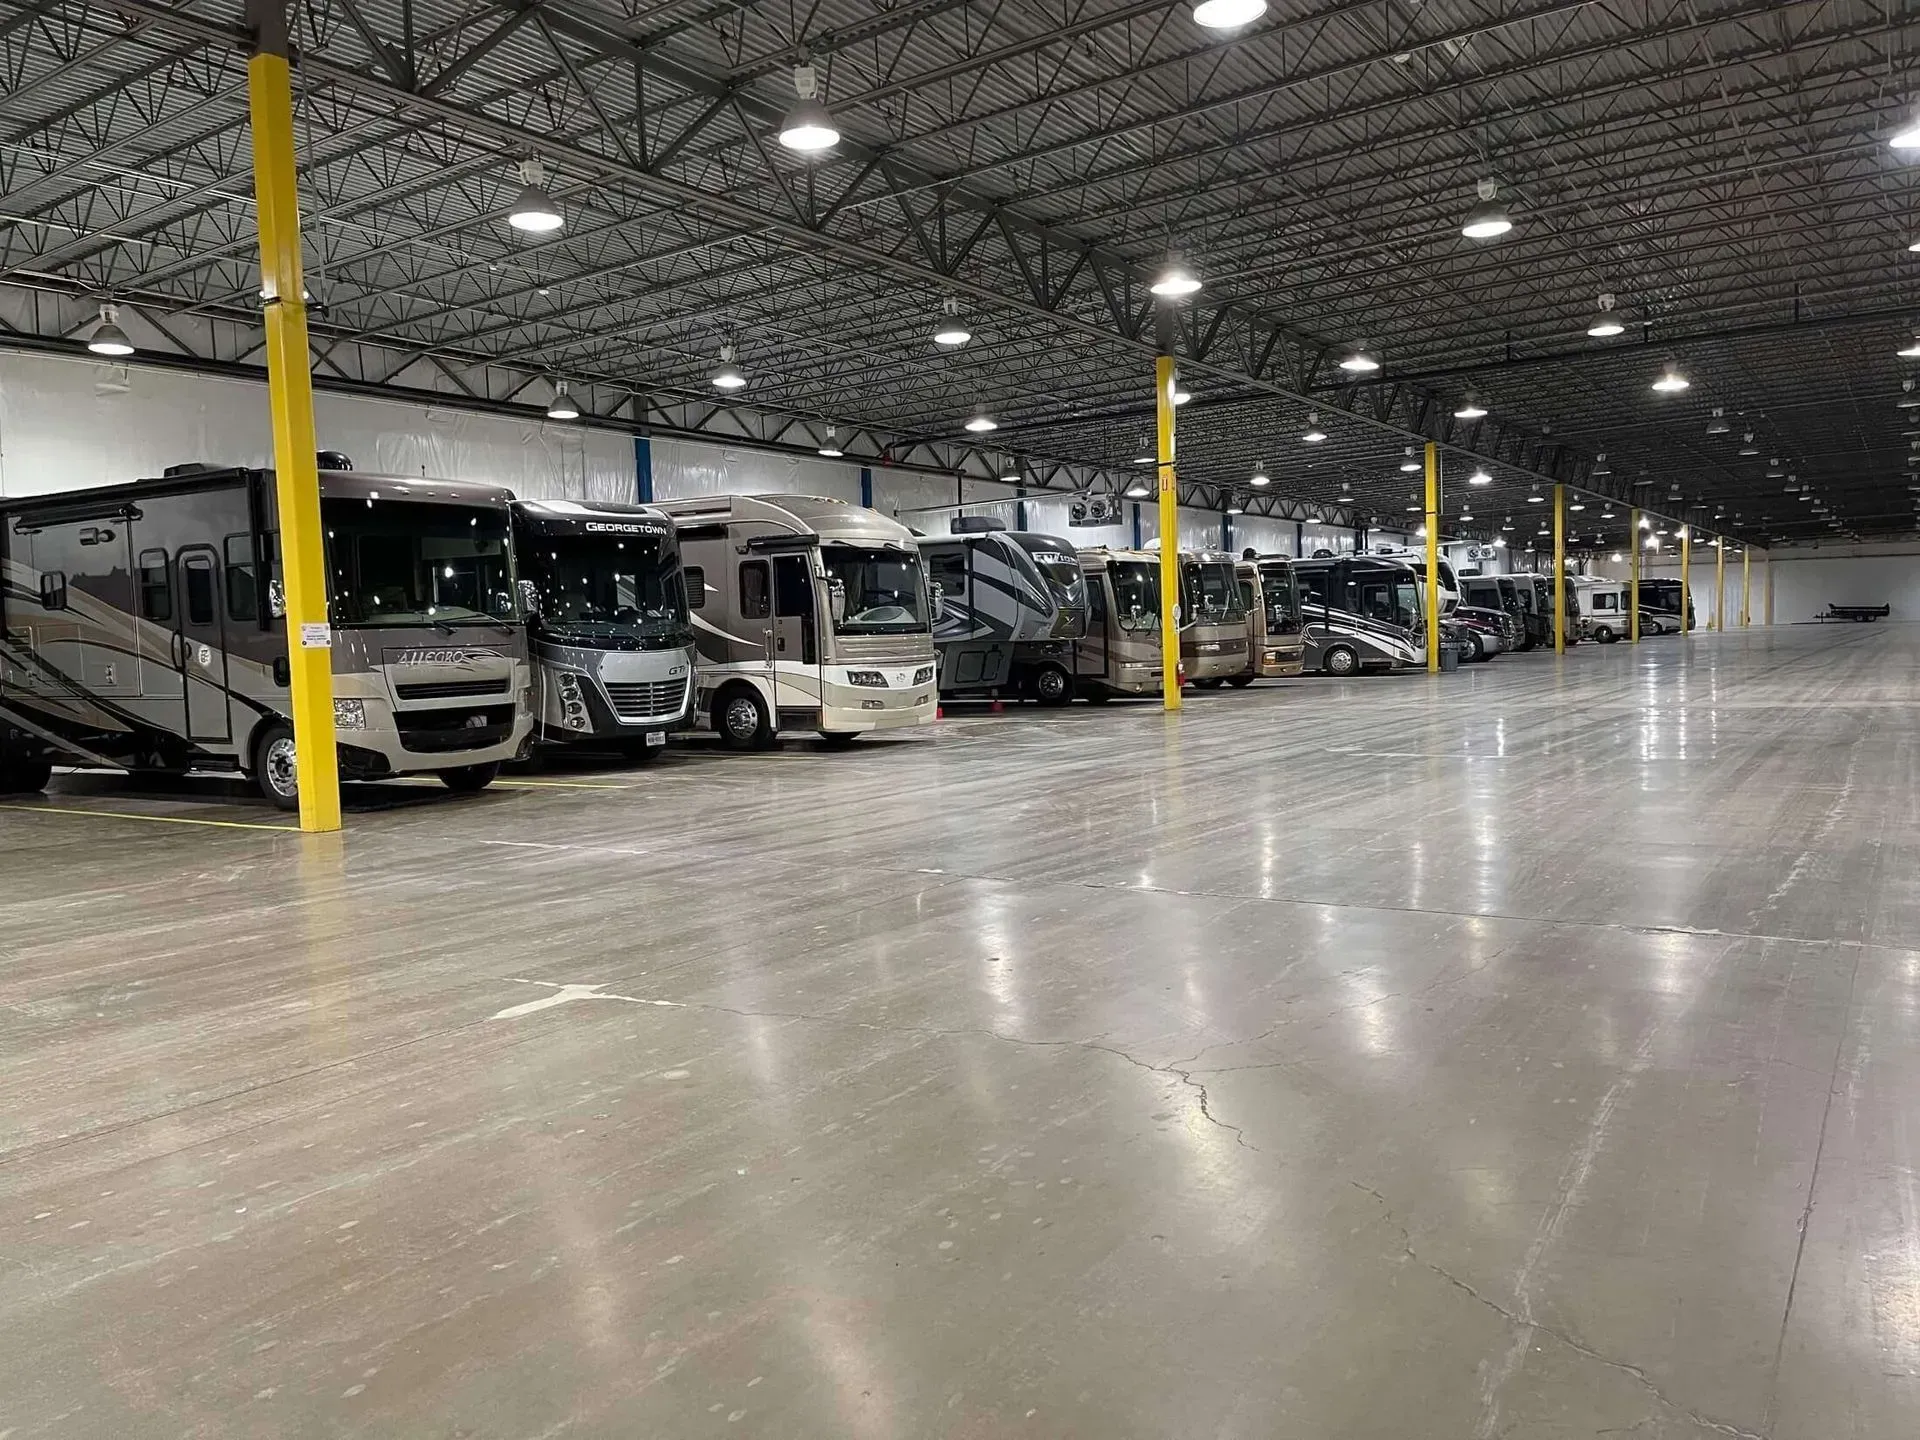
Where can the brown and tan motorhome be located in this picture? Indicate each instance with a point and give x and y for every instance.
(1120, 653)
(1275, 645)
(1213, 620)
(142, 628)
(808, 613)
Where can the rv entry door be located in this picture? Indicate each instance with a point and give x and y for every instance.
(796, 646)
(200, 643)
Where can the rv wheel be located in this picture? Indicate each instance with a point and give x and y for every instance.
(470, 779)
(24, 777)
(1340, 660)
(740, 717)
(274, 768)
(1240, 682)
(1052, 685)
(1604, 635)
(1475, 650)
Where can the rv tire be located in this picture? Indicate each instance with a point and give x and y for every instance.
(1051, 685)
(1240, 682)
(1340, 660)
(274, 770)
(470, 779)
(1475, 650)
(740, 718)
(1604, 634)
(24, 777)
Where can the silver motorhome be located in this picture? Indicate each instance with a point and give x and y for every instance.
(1361, 612)
(1013, 602)
(606, 605)
(808, 614)
(141, 628)
(1120, 654)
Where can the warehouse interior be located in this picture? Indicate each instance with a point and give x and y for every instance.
(1428, 949)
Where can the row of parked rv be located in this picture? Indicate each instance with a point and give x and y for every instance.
(142, 626)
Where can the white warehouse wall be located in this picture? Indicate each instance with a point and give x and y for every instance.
(67, 423)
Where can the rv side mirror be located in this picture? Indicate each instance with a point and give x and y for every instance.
(837, 601)
(937, 594)
(530, 599)
(276, 598)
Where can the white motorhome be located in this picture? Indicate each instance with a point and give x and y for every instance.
(1606, 609)
(808, 614)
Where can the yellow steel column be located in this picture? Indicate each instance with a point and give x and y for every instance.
(1559, 569)
(1720, 582)
(1169, 537)
(290, 385)
(1686, 579)
(1432, 597)
(1634, 548)
(1746, 586)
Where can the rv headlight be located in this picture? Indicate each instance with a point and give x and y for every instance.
(872, 679)
(350, 714)
(569, 684)
(924, 675)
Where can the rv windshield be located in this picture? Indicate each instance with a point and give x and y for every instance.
(406, 562)
(884, 593)
(1136, 594)
(618, 592)
(1282, 598)
(1212, 593)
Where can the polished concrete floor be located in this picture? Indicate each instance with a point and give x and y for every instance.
(1530, 1052)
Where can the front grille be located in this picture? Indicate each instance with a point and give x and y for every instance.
(439, 731)
(451, 689)
(648, 700)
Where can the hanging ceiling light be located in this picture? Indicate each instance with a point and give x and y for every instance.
(1911, 350)
(1227, 14)
(1466, 512)
(1009, 469)
(1175, 278)
(1489, 219)
(561, 407)
(1470, 408)
(1409, 465)
(1360, 360)
(1534, 497)
(1314, 434)
(108, 338)
(1605, 324)
(1480, 476)
(1260, 476)
(830, 447)
(1747, 448)
(1576, 505)
(1507, 524)
(1413, 507)
(1181, 395)
(1671, 381)
(1600, 466)
(1717, 425)
(1907, 137)
(951, 331)
(1908, 400)
(727, 375)
(533, 209)
(1234, 507)
(1138, 490)
(981, 423)
(1645, 523)
(809, 127)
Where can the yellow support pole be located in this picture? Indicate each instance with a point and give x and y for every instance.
(1720, 583)
(1635, 546)
(1686, 579)
(290, 385)
(1433, 558)
(1746, 586)
(1169, 537)
(1559, 569)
